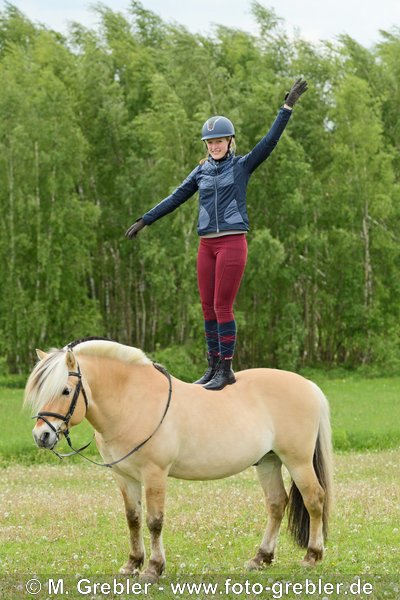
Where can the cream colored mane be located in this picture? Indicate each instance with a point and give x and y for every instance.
(110, 349)
(50, 376)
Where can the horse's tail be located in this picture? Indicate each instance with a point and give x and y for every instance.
(298, 517)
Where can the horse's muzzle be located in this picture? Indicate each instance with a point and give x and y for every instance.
(44, 437)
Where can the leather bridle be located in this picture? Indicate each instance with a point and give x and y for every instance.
(43, 415)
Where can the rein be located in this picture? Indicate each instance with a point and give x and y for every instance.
(66, 418)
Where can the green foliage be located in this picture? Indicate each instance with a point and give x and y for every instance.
(98, 127)
(12, 381)
(179, 361)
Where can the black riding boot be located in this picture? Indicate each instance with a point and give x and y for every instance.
(223, 376)
(213, 361)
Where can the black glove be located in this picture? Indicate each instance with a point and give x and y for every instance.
(297, 90)
(135, 228)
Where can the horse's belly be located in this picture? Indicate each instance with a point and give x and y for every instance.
(219, 460)
(205, 474)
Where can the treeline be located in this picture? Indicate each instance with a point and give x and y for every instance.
(98, 126)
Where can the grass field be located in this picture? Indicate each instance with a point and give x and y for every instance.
(66, 520)
(365, 412)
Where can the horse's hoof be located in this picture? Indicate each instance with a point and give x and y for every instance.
(148, 577)
(253, 565)
(260, 560)
(308, 564)
(312, 557)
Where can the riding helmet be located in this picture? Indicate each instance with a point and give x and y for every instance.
(217, 127)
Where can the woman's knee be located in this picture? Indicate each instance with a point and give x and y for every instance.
(209, 313)
(224, 313)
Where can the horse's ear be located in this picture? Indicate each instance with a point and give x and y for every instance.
(40, 354)
(71, 361)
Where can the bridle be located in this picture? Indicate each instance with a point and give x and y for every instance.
(66, 420)
(43, 415)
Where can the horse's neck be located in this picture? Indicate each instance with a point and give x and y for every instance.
(104, 377)
(108, 380)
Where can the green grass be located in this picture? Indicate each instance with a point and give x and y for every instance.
(365, 412)
(16, 442)
(68, 521)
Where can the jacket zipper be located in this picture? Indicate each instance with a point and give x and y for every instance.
(216, 199)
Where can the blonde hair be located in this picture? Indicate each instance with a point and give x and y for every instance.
(232, 149)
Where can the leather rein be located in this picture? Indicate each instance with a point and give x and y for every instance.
(66, 419)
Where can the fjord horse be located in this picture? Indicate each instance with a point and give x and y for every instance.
(150, 426)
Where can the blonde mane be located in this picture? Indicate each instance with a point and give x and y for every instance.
(50, 376)
(109, 349)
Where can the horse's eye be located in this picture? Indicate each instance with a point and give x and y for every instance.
(66, 391)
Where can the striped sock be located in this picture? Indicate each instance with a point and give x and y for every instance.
(211, 333)
(227, 339)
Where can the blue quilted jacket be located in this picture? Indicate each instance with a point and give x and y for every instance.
(222, 186)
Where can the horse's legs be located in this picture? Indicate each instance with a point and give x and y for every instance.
(269, 472)
(132, 493)
(313, 497)
(155, 488)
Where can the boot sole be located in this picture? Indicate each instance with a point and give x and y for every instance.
(219, 388)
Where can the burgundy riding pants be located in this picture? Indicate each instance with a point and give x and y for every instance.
(220, 266)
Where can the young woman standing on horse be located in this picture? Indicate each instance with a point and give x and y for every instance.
(221, 180)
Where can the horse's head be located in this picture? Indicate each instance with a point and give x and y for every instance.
(58, 396)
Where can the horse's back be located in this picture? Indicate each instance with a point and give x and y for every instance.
(278, 389)
(224, 431)
(257, 392)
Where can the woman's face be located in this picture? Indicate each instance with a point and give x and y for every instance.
(218, 147)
